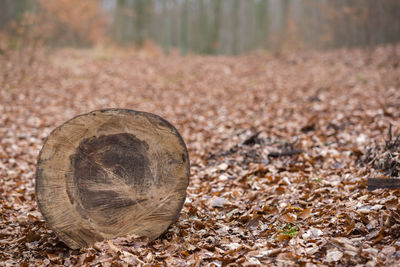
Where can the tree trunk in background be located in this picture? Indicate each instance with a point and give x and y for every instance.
(13, 10)
(202, 27)
(393, 29)
(165, 27)
(212, 45)
(20, 6)
(120, 21)
(141, 15)
(184, 28)
(262, 31)
(283, 24)
(235, 30)
(6, 13)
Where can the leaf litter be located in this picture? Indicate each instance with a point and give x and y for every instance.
(280, 149)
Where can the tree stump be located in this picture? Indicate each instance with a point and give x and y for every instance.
(112, 173)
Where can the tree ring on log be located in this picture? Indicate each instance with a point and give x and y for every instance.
(112, 173)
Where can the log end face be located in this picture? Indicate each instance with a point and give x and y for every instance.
(115, 181)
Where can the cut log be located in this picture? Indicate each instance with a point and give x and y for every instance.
(112, 173)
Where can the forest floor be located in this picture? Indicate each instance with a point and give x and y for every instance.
(281, 147)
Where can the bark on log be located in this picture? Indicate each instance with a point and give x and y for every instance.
(111, 173)
(379, 183)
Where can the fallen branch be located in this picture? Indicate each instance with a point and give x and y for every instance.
(276, 154)
(378, 183)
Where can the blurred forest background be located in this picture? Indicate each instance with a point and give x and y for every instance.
(200, 26)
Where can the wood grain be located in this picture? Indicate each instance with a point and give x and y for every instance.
(111, 173)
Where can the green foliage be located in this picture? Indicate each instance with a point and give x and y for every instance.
(318, 180)
(289, 229)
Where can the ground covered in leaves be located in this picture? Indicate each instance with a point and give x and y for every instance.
(281, 147)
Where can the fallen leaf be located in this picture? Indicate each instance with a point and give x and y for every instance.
(218, 202)
(333, 255)
(304, 214)
(289, 217)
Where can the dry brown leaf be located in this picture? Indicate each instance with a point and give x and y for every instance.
(333, 255)
(289, 217)
(392, 204)
(304, 214)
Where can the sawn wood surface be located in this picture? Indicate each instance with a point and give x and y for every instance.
(112, 173)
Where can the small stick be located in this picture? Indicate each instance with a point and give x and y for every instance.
(389, 142)
(276, 154)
